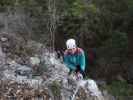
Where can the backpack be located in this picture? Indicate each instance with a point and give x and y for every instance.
(92, 56)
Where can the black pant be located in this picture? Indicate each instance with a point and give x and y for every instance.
(78, 69)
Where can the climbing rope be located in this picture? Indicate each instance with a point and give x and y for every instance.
(52, 23)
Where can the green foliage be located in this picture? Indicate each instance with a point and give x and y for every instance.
(27, 2)
(130, 3)
(116, 45)
(120, 89)
(74, 8)
(129, 13)
(56, 88)
(117, 40)
(92, 8)
(7, 2)
(78, 8)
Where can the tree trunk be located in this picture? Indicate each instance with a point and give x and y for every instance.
(130, 57)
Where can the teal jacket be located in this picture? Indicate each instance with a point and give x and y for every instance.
(72, 60)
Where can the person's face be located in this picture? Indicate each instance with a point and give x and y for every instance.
(72, 50)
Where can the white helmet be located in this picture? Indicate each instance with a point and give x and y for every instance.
(70, 43)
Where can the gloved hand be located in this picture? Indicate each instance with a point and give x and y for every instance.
(79, 70)
(79, 76)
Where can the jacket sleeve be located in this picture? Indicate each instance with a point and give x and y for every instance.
(82, 61)
(68, 64)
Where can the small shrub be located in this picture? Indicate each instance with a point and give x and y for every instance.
(120, 89)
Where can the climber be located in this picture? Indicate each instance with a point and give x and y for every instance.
(74, 58)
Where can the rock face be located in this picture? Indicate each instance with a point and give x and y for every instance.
(24, 71)
(18, 82)
(2, 56)
(55, 82)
